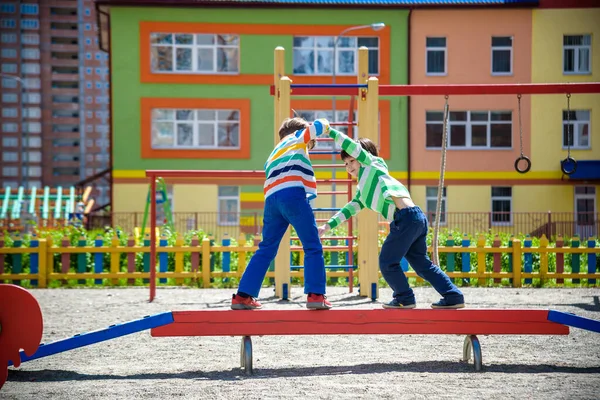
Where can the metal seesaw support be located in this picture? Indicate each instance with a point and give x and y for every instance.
(472, 344)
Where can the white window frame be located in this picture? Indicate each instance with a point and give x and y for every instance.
(311, 115)
(576, 49)
(195, 47)
(469, 123)
(195, 126)
(501, 198)
(502, 48)
(338, 50)
(220, 197)
(575, 132)
(444, 209)
(436, 48)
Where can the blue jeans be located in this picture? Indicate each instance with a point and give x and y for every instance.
(282, 208)
(408, 239)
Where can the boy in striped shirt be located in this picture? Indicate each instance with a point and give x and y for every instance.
(380, 192)
(289, 187)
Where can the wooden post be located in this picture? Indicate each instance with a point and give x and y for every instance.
(591, 260)
(575, 259)
(497, 259)
(81, 259)
(34, 258)
(450, 256)
(481, 256)
(241, 266)
(131, 259)
(98, 259)
(49, 259)
(43, 264)
(206, 262)
(543, 259)
(368, 243)
(179, 258)
(115, 260)
(560, 259)
(517, 263)
(282, 259)
(528, 259)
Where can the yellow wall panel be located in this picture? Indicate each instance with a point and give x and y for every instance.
(129, 197)
(540, 198)
(195, 198)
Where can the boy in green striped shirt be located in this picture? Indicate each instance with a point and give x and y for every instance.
(380, 192)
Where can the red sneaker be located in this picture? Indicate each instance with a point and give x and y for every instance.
(317, 302)
(245, 303)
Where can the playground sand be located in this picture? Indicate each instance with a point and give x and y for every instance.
(298, 367)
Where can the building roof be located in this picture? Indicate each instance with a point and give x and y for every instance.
(344, 3)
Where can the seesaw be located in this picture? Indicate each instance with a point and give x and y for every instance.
(21, 326)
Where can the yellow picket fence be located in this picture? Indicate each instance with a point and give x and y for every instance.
(50, 261)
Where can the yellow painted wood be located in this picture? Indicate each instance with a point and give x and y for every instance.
(179, 259)
(241, 255)
(517, 264)
(543, 260)
(481, 260)
(42, 263)
(206, 262)
(115, 260)
(282, 259)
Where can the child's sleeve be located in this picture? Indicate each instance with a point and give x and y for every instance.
(317, 128)
(353, 148)
(350, 209)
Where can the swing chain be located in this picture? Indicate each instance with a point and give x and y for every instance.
(522, 157)
(569, 165)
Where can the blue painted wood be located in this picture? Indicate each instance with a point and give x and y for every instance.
(163, 260)
(226, 258)
(574, 320)
(98, 261)
(591, 261)
(113, 331)
(34, 259)
(466, 260)
(528, 257)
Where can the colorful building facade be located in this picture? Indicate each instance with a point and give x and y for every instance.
(190, 90)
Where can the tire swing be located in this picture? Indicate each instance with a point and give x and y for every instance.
(568, 166)
(522, 157)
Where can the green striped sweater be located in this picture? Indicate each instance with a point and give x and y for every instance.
(375, 185)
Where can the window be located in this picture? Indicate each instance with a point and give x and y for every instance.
(30, 54)
(87, 12)
(8, 53)
(9, 97)
(431, 193)
(578, 136)
(195, 129)
(32, 98)
(9, 83)
(33, 142)
(172, 53)
(32, 127)
(10, 156)
(88, 27)
(470, 129)
(585, 209)
(10, 142)
(8, 23)
(35, 172)
(9, 113)
(10, 171)
(436, 55)
(7, 8)
(577, 54)
(30, 38)
(32, 112)
(32, 83)
(501, 205)
(229, 205)
(31, 68)
(8, 38)
(340, 116)
(30, 24)
(10, 127)
(9, 68)
(34, 156)
(30, 9)
(502, 55)
(313, 55)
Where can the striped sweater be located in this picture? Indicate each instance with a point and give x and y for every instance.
(289, 164)
(375, 185)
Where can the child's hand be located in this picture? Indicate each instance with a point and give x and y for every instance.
(322, 229)
(324, 123)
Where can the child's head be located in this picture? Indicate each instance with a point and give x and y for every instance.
(352, 166)
(291, 125)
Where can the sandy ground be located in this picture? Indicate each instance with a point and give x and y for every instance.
(286, 367)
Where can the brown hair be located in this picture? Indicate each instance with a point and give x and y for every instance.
(291, 125)
(366, 144)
